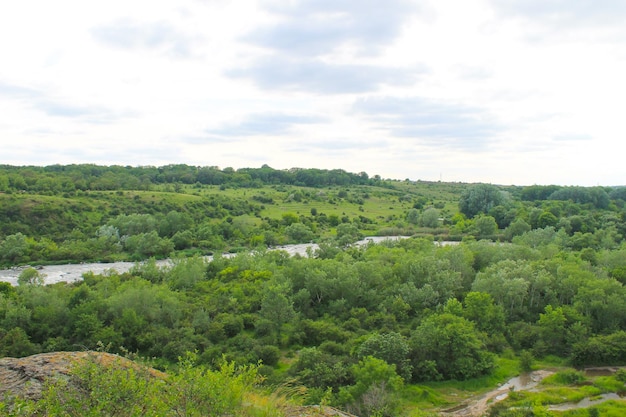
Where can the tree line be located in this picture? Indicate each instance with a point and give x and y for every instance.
(58, 179)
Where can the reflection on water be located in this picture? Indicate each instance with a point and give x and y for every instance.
(587, 402)
(593, 372)
(525, 381)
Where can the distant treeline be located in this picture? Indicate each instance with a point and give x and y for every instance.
(67, 178)
(599, 197)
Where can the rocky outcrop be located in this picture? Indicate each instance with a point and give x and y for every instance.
(26, 377)
(316, 411)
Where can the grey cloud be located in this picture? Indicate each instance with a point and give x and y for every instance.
(313, 27)
(129, 34)
(157, 153)
(91, 114)
(16, 91)
(265, 124)
(38, 100)
(317, 76)
(433, 123)
(579, 13)
(118, 151)
(307, 30)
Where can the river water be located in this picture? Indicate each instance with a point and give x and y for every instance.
(74, 272)
(586, 402)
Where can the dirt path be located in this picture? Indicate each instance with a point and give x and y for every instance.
(476, 407)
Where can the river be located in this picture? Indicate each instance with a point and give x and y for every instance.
(74, 272)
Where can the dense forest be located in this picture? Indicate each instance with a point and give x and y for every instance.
(488, 279)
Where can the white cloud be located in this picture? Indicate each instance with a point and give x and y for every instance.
(498, 91)
(318, 77)
(129, 34)
(317, 27)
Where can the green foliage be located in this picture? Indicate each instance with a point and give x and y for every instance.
(481, 310)
(121, 388)
(30, 276)
(413, 216)
(299, 233)
(596, 196)
(347, 234)
(445, 346)
(538, 192)
(146, 245)
(13, 249)
(430, 218)
(393, 348)
(480, 198)
(600, 350)
(318, 369)
(517, 228)
(555, 289)
(372, 394)
(485, 226)
(149, 270)
(276, 309)
(620, 375)
(185, 273)
(526, 360)
(566, 377)
(16, 343)
(134, 224)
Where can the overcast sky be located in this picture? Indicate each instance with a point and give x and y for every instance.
(499, 91)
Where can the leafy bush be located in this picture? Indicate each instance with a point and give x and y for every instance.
(122, 388)
(567, 377)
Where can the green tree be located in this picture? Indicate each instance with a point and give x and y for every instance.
(186, 272)
(31, 276)
(547, 219)
(503, 215)
(517, 228)
(507, 282)
(392, 347)
(485, 226)
(348, 233)
(16, 343)
(173, 223)
(600, 350)
(480, 198)
(481, 310)
(413, 216)
(430, 218)
(182, 240)
(299, 233)
(446, 346)
(146, 245)
(14, 249)
(277, 309)
(552, 329)
(290, 218)
(526, 360)
(376, 381)
(4, 183)
(134, 224)
(317, 369)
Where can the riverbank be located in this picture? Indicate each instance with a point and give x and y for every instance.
(74, 272)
